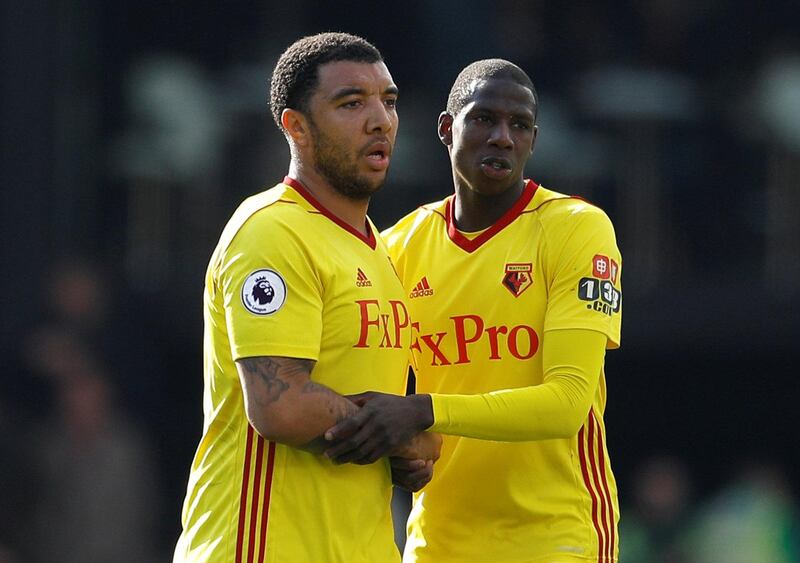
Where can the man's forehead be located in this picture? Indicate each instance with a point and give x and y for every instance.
(497, 93)
(339, 74)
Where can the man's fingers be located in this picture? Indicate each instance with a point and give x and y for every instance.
(421, 478)
(407, 465)
(369, 451)
(350, 447)
(347, 427)
(425, 472)
(359, 399)
(417, 476)
(411, 474)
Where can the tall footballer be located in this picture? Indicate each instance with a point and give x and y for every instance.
(514, 295)
(302, 306)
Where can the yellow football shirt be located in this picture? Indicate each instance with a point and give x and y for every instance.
(288, 278)
(480, 305)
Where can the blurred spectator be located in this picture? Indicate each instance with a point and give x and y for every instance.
(755, 519)
(84, 300)
(97, 495)
(652, 528)
(92, 325)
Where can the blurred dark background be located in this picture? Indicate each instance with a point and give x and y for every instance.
(131, 131)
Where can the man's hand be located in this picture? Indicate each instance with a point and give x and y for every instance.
(411, 474)
(384, 424)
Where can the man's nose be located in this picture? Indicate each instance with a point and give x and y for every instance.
(500, 136)
(379, 119)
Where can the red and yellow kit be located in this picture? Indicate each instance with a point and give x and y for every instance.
(290, 279)
(481, 305)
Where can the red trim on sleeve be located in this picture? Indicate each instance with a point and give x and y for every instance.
(470, 245)
(369, 239)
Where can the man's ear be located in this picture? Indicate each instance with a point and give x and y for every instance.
(535, 134)
(446, 128)
(296, 126)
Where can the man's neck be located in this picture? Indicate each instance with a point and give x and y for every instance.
(474, 212)
(352, 211)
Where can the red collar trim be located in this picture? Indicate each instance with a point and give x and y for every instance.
(369, 239)
(470, 245)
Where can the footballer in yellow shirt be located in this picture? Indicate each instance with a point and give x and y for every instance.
(301, 307)
(515, 294)
(273, 290)
(479, 327)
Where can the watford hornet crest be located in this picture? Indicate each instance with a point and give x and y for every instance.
(518, 278)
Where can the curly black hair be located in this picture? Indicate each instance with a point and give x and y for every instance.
(295, 75)
(462, 89)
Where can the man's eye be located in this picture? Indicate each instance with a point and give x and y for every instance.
(391, 102)
(351, 104)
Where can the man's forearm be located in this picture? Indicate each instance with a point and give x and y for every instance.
(573, 360)
(284, 405)
(328, 400)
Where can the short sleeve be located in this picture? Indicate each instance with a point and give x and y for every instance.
(584, 272)
(272, 294)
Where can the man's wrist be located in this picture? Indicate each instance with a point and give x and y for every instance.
(423, 406)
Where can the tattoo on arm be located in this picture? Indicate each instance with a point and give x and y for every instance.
(266, 370)
(269, 378)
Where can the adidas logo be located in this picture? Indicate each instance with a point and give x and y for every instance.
(422, 289)
(362, 280)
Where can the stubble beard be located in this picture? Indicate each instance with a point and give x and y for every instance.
(332, 164)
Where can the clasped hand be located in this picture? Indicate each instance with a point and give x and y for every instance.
(388, 425)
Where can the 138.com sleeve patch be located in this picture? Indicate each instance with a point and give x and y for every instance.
(599, 290)
(263, 292)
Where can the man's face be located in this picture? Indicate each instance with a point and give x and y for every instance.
(492, 137)
(353, 121)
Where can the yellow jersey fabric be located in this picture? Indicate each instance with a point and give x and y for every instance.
(480, 306)
(290, 279)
